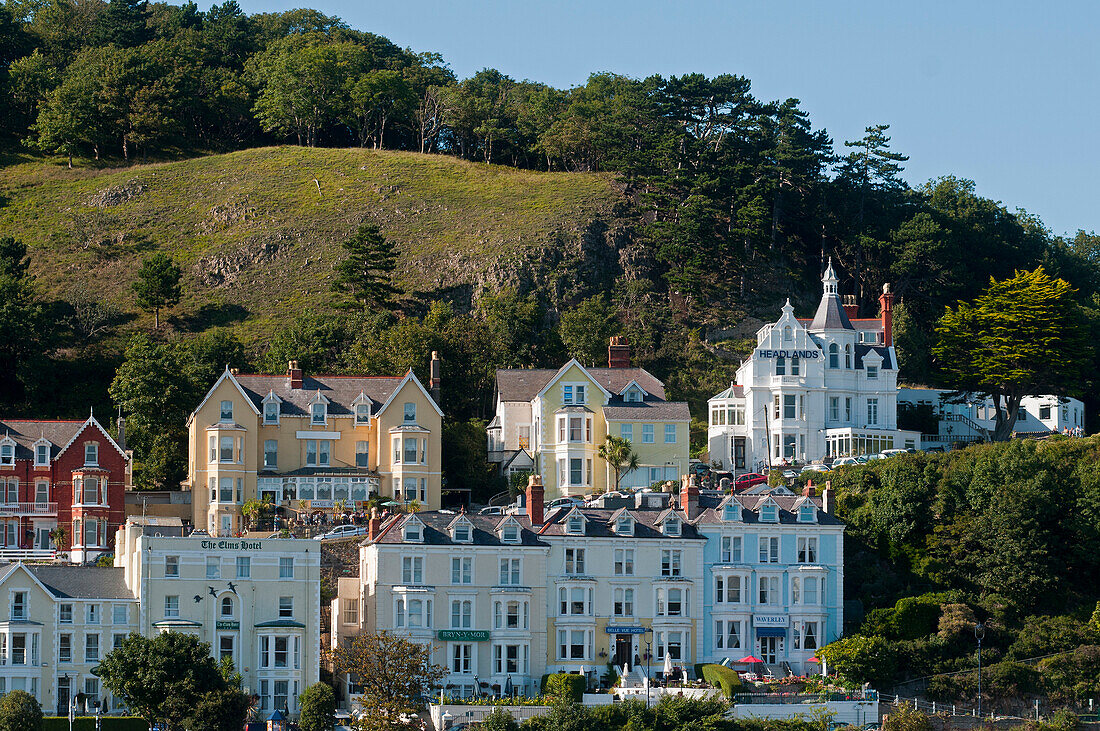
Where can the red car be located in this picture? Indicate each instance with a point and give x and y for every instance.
(749, 479)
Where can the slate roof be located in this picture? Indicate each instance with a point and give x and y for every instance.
(830, 315)
(600, 523)
(436, 531)
(82, 582)
(647, 411)
(25, 432)
(712, 513)
(339, 390)
(884, 351)
(523, 384)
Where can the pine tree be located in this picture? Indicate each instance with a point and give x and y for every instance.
(158, 285)
(367, 274)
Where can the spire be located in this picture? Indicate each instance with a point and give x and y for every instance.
(830, 314)
(829, 279)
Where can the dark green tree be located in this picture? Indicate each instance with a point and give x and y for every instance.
(23, 329)
(125, 23)
(318, 708)
(20, 711)
(366, 275)
(586, 329)
(157, 285)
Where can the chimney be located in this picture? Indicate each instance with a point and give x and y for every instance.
(851, 308)
(374, 525)
(689, 496)
(618, 352)
(808, 490)
(827, 498)
(435, 378)
(886, 312)
(534, 499)
(294, 374)
(121, 433)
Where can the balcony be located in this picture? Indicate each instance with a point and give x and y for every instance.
(45, 509)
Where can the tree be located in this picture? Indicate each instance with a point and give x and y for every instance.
(1022, 336)
(498, 720)
(19, 711)
(375, 98)
(164, 678)
(863, 659)
(157, 284)
(586, 328)
(907, 718)
(619, 455)
(318, 708)
(23, 330)
(392, 671)
(367, 274)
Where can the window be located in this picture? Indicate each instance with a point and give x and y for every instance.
(872, 412)
(462, 659)
(672, 602)
(462, 570)
(362, 454)
(117, 639)
(848, 409)
(731, 549)
(351, 611)
(731, 512)
(807, 550)
(780, 366)
(1044, 413)
(624, 602)
(671, 563)
(410, 412)
(282, 651)
(226, 411)
(213, 567)
(362, 414)
(727, 589)
(271, 412)
(412, 569)
(575, 601)
(834, 408)
(462, 613)
(509, 659)
(227, 606)
(410, 450)
(91, 648)
(670, 433)
(286, 607)
(834, 355)
(872, 372)
(286, 567)
(769, 513)
(41, 492)
(318, 413)
(647, 434)
(119, 614)
(789, 402)
(462, 533)
(624, 561)
(65, 613)
(847, 355)
(626, 431)
(7, 453)
(41, 455)
(727, 635)
(567, 395)
(412, 531)
(574, 561)
(510, 534)
(171, 606)
(19, 605)
(806, 513)
(576, 471)
(509, 571)
(769, 589)
(225, 453)
(769, 549)
(414, 613)
(574, 644)
(91, 491)
(64, 648)
(244, 567)
(795, 366)
(92, 616)
(271, 454)
(575, 524)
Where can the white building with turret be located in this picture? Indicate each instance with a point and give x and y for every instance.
(813, 388)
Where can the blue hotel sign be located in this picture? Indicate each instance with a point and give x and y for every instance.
(803, 354)
(613, 630)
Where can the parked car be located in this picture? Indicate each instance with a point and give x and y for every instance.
(816, 468)
(342, 531)
(747, 480)
(491, 510)
(845, 462)
(701, 469)
(893, 452)
(199, 532)
(567, 502)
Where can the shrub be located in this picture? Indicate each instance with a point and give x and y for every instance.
(318, 704)
(19, 711)
(864, 659)
(722, 677)
(906, 718)
(499, 720)
(87, 723)
(565, 686)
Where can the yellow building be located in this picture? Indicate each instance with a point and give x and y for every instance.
(553, 423)
(305, 443)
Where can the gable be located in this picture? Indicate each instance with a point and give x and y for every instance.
(573, 372)
(401, 394)
(226, 377)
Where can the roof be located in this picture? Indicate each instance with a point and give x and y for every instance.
(830, 315)
(711, 509)
(82, 582)
(599, 523)
(734, 391)
(647, 411)
(523, 384)
(340, 391)
(436, 533)
(59, 432)
(882, 350)
(869, 323)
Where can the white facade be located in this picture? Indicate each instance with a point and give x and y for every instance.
(972, 417)
(825, 387)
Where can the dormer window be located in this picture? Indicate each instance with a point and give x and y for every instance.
(769, 513)
(318, 413)
(42, 454)
(624, 526)
(461, 533)
(872, 371)
(7, 453)
(671, 527)
(575, 525)
(806, 513)
(271, 412)
(91, 454)
(509, 533)
(362, 414)
(410, 412)
(413, 533)
(731, 512)
(226, 413)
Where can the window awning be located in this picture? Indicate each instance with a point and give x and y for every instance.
(771, 631)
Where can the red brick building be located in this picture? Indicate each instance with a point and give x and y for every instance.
(68, 474)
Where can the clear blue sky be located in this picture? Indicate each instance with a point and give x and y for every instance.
(1004, 92)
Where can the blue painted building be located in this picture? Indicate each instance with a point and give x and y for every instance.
(773, 578)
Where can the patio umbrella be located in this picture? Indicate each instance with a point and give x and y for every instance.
(814, 659)
(667, 669)
(390, 504)
(508, 687)
(750, 658)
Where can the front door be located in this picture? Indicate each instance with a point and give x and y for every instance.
(739, 453)
(227, 525)
(770, 649)
(624, 649)
(42, 538)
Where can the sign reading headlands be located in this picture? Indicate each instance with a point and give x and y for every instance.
(803, 354)
(230, 545)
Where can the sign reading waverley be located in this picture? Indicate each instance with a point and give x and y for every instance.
(814, 388)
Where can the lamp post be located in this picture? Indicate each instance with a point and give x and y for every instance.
(648, 655)
(979, 634)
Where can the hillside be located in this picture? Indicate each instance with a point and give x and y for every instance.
(258, 231)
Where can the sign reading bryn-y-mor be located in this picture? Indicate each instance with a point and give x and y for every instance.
(463, 635)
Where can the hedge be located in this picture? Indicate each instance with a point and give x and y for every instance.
(568, 686)
(87, 723)
(725, 678)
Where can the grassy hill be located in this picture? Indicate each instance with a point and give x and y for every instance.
(257, 231)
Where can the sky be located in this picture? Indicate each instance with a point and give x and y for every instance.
(1002, 92)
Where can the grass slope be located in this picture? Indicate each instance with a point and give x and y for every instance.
(257, 231)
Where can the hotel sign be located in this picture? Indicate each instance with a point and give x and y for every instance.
(223, 624)
(463, 635)
(803, 354)
(230, 545)
(769, 620)
(613, 630)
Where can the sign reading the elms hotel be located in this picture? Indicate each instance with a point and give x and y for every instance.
(803, 354)
(230, 545)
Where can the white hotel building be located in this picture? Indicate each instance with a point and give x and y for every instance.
(812, 389)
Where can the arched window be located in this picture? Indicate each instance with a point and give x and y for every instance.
(227, 606)
(787, 332)
(834, 355)
(847, 355)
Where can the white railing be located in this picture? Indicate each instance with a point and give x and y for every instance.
(28, 508)
(8, 555)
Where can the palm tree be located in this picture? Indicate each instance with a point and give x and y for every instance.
(620, 456)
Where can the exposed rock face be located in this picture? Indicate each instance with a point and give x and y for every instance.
(227, 214)
(116, 194)
(221, 270)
